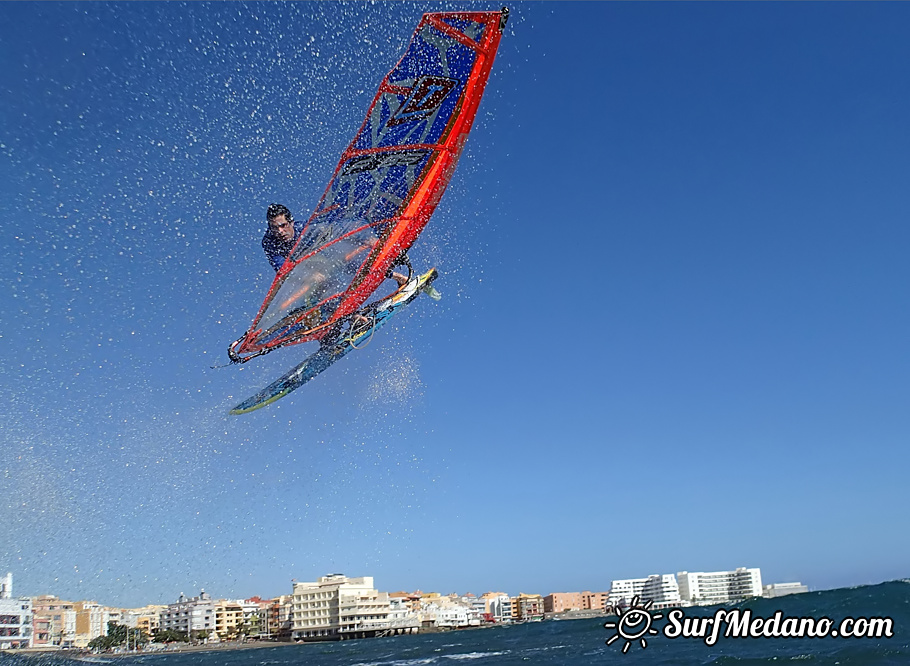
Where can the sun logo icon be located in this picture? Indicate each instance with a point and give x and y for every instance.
(634, 624)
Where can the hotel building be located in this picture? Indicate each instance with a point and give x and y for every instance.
(336, 607)
(661, 590)
(718, 587)
(623, 591)
(147, 618)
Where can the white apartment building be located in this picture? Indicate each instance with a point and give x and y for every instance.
(189, 615)
(252, 613)
(336, 607)
(718, 587)
(500, 607)
(402, 620)
(15, 617)
(662, 591)
(478, 607)
(775, 590)
(452, 611)
(450, 615)
(623, 591)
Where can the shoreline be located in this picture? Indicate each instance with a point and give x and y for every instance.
(204, 647)
(79, 654)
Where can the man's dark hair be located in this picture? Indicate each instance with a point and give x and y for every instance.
(277, 209)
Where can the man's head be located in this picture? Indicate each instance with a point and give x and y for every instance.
(281, 222)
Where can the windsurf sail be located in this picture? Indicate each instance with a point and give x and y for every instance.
(386, 184)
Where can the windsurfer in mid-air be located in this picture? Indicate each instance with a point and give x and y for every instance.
(331, 271)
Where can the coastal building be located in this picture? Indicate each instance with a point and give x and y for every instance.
(147, 618)
(411, 600)
(623, 591)
(477, 606)
(252, 616)
(336, 607)
(451, 611)
(449, 616)
(191, 616)
(15, 617)
(91, 622)
(474, 608)
(498, 606)
(527, 607)
(594, 600)
(114, 615)
(437, 610)
(775, 590)
(267, 616)
(404, 613)
(285, 605)
(402, 618)
(661, 590)
(576, 604)
(229, 620)
(53, 621)
(560, 602)
(431, 598)
(718, 587)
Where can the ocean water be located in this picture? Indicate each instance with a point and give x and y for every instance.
(583, 642)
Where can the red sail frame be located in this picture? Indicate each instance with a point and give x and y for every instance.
(414, 212)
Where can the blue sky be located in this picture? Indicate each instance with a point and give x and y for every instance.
(674, 327)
